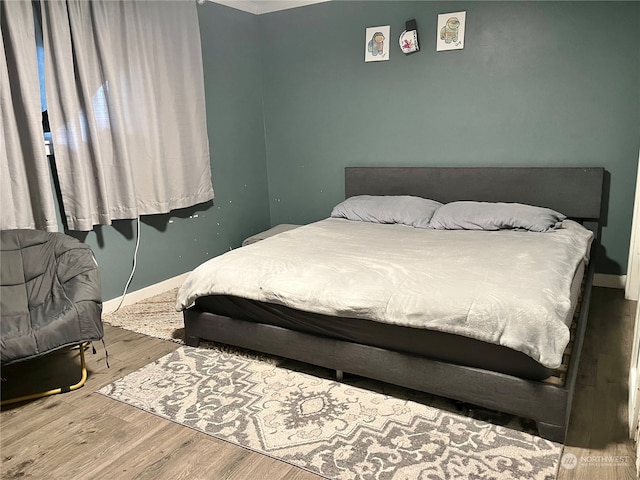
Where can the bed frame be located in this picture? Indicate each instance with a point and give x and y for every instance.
(576, 192)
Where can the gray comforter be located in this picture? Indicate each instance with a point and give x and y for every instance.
(511, 288)
(50, 294)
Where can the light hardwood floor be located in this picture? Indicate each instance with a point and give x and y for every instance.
(83, 434)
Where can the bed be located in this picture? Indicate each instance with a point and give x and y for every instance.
(503, 376)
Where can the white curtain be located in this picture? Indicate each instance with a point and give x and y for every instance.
(125, 96)
(26, 194)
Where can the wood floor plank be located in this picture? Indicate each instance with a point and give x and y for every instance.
(31, 419)
(581, 422)
(170, 462)
(135, 446)
(598, 419)
(64, 439)
(261, 466)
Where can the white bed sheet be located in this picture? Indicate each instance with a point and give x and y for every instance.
(510, 288)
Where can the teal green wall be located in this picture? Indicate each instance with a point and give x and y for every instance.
(538, 83)
(177, 242)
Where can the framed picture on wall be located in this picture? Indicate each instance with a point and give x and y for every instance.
(377, 43)
(451, 31)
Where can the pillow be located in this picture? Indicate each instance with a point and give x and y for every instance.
(408, 210)
(495, 216)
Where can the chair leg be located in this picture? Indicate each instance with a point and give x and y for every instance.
(55, 391)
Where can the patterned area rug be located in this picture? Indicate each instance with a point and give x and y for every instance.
(336, 430)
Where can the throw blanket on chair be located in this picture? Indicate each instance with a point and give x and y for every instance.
(50, 294)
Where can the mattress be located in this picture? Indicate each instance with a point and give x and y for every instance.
(440, 346)
(508, 288)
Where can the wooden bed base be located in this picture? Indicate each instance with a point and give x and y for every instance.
(576, 192)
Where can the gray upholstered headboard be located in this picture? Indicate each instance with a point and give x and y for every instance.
(575, 192)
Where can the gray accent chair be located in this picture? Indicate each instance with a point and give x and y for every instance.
(50, 297)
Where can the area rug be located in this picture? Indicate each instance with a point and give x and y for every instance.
(333, 429)
(155, 316)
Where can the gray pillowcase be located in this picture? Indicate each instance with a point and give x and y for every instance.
(495, 216)
(404, 209)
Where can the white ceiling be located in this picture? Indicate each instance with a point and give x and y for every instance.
(258, 7)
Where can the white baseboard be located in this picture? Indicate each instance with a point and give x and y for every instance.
(609, 281)
(132, 297)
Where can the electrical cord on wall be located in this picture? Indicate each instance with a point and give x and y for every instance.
(133, 270)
